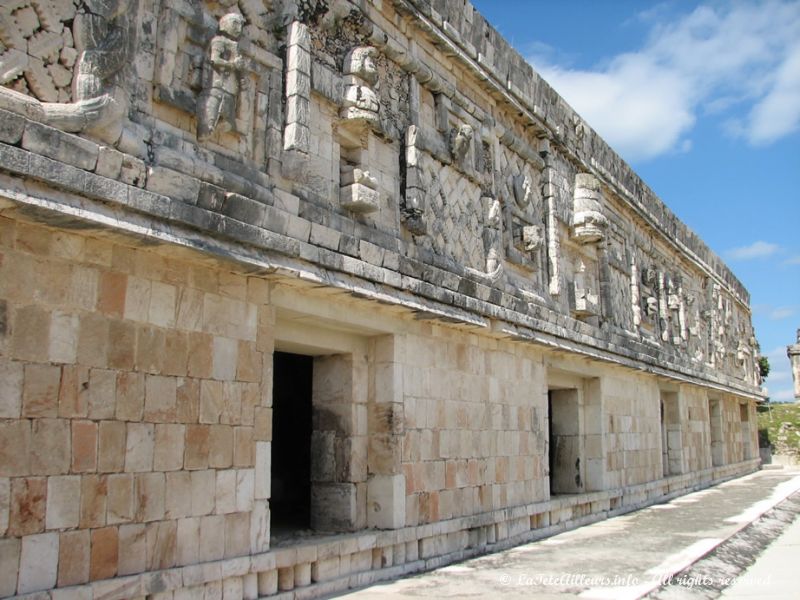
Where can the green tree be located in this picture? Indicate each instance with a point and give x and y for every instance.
(763, 366)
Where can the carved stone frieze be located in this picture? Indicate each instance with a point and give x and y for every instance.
(63, 62)
(216, 63)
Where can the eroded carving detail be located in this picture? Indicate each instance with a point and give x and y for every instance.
(216, 108)
(100, 42)
(588, 221)
(360, 102)
(461, 142)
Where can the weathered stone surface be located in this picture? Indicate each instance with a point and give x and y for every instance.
(465, 267)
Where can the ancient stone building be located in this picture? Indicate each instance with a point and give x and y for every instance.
(793, 352)
(298, 296)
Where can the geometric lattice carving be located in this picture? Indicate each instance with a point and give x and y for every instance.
(37, 50)
(455, 225)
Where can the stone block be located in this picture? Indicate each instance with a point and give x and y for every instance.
(11, 126)
(63, 502)
(268, 582)
(120, 507)
(220, 446)
(263, 470)
(139, 447)
(93, 340)
(122, 345)
(84, 446)
(162, 304)
(245, 489)
(63, 337)
(173, 184)
(102, 395)
(109, 163)
(203, 484)
(160, 402)
(197, 447)
(94, 494)
(73, 394)
(150, 496)
(225, 497)
(237, 535)
(40, 390)
(60, 146)
(169, 447)
(50, 441)
(178, 502)
(11, 381)
(38, 563)
(161, 545)
(212, 533)
(9, 565)
(130, 396)
(334, 506)
(112, 444)
(188, 541)
(104, 553)
(133, 540)
(359, 198)
(111, 292)
(259, 527)
(27, 506)
(243, 447)
(15, 451)
(386, 507)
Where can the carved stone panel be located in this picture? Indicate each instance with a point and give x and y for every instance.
(454, 214)
(216, 63)
(519, 184)
(65, 60)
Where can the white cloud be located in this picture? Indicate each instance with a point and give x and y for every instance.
(795, 260)
(781, 312)
(779, 112)
(719, 57)
(757, 249)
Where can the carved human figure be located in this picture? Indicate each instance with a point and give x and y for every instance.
(221, 78)
(360, 102)
(460, 141)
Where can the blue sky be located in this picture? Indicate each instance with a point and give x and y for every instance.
(703, 100)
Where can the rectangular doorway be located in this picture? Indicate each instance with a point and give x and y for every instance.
(747, 441)
(290, 504)
(715, 417)
(565, 441)
(671, 434)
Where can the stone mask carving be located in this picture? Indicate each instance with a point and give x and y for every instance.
(360, 102)
(588, 221)
(460, 141)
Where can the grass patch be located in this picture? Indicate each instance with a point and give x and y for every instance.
(779, 428)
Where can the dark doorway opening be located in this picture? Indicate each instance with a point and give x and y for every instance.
(290, 504)
(565, 444)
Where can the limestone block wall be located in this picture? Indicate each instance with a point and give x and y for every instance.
(510, 332)
(696, 432)
(632, 430)
(132, 417)
(475, 427)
